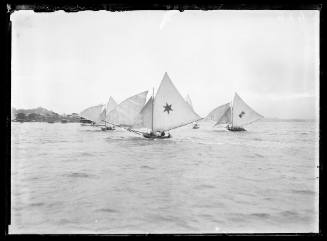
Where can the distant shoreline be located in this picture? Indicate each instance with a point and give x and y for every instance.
(59, 117)
(41, 114)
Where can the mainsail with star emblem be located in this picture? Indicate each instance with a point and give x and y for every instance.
(170, 110)
(242, 113)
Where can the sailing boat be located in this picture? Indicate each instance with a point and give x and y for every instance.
(105, 111)
(93, 114)
(235, 115)
(165, 111)
(188, 100)
(125, 114)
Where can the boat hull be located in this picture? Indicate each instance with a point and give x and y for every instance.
(107, 128)
(235, 128)
(146, 135)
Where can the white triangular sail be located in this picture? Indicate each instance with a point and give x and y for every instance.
(127, 111)
(144, 119)
(93, 113)
(109, 107)
(111, 104)
(188, 100)
(242, 113)
(102, 115)
(170, 110)
(226, 118)
(221, 114)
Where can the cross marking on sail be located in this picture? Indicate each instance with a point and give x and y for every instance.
(167, 108)
(241, 114)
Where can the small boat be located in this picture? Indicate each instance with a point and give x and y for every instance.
(196, 126)
(236, 115)
(151, 135)
(108, 128)
(63, 121)
(50, 122)
(165, 111)
(230, 128)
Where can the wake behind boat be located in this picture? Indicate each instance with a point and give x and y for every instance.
(236, 115)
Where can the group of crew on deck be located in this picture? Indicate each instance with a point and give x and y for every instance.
(159, 134)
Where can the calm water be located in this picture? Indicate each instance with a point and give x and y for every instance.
(68, 178)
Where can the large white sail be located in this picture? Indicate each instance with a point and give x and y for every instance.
(111, 104)
(221, 114)
(127, 111)
(170, 110)
(102, 116)
(92, 113)
(144, 119)
(226, 118)
(188, 100)
(242, 113)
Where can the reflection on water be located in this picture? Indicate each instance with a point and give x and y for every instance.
(68, 178)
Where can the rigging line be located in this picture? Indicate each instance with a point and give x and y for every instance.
(131, 130)
(184, 124)
(128, 129)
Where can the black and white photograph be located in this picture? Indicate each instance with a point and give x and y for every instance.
(164, 122)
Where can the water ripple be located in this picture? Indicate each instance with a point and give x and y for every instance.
(108, 210)
(79, 175)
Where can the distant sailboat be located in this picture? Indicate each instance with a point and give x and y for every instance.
(188, 100)
(105, 112)
(93, 114)
(236, 115)
(125, 114)
(166, 111)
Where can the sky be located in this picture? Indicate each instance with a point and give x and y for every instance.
(67, 62)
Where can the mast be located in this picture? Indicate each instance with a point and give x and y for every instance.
(105, 117)
(231, 112)
(152, 108)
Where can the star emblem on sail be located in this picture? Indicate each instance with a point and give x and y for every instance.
(152, 115)
(167, 108)
(241, 114)
(237, 114)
